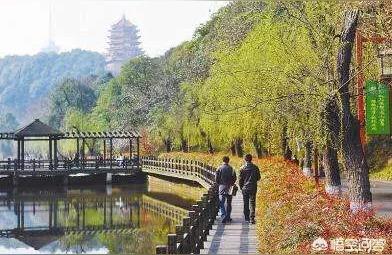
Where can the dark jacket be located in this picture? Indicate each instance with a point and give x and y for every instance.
(249, 176)
(225, 175)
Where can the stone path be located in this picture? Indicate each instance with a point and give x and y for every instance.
(382, 197)
(237, 237)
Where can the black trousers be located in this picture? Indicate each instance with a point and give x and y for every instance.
(249, 204)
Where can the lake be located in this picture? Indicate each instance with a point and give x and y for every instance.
(103, 219)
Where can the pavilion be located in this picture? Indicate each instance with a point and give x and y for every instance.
(39, 131)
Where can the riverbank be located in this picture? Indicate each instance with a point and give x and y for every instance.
(292, 211)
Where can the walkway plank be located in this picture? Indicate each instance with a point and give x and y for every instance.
(237, 237)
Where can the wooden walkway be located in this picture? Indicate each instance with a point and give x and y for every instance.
(237, 237)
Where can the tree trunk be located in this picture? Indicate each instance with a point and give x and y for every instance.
(354, 158)
(210, 147)
(184, 145)
(287, 153)
(330, 155)
(331, 169)
(168, 144)
(258, 147)
(239, 151)
(307, 168)
(232, 148)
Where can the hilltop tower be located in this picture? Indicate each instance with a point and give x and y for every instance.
(51, 46)
(123, 45)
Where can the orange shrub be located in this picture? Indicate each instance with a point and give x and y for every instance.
(293, 212)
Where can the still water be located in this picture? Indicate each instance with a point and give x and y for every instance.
(130, 218)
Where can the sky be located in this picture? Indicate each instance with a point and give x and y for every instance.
(24, 24)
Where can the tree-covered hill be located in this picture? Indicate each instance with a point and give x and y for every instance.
(25, 81)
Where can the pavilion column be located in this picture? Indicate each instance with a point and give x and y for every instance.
(55, 153)
(83, 214)
(130, 148)
(138, 149)
(111, 213)
(18, 156)
(50, 154)
(77, 148)
(111, 152)
(50, 214)
(22, 154)
(22, 215)
(104, 150)
(18, 213)
(83, 156)
(138, 212)
(104, 211)
(78, 215)
(55, 208)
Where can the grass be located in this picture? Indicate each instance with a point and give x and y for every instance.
(384, 173)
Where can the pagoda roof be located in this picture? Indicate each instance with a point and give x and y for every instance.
(122, 22)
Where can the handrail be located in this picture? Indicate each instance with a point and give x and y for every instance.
(39, 165)
(191, 235)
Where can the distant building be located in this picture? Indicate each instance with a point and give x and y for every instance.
(123, 45)
(51, 46)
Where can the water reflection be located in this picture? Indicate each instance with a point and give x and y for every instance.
(118, 219)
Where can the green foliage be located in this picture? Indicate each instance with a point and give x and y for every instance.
(70, 93)
(8, 123)
(384, 173)
(25, 81)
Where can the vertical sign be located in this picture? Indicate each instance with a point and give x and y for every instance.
(377, 109)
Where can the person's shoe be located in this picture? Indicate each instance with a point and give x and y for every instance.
(224, 221)
(230, 220)
(247, 220)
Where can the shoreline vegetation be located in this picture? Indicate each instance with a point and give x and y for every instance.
(292, 211)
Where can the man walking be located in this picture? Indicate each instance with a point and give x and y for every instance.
(225, 178)
(249, 176)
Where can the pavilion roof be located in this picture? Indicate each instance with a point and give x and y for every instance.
(37, 128)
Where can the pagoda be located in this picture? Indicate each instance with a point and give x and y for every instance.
(123, 45)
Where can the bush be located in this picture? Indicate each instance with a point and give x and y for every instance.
(292, 212)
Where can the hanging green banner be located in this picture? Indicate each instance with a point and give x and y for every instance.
(377, 109)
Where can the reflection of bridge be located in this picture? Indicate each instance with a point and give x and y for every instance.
(155, 206)
(82, 216)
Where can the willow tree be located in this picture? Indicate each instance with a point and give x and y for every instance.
(261, 87)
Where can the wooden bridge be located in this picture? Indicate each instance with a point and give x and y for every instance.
(201, 232)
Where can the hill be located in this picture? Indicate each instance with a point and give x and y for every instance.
(25, 81)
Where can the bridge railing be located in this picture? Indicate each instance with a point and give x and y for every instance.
(184, 169)
(33, 164)
(192, 233)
